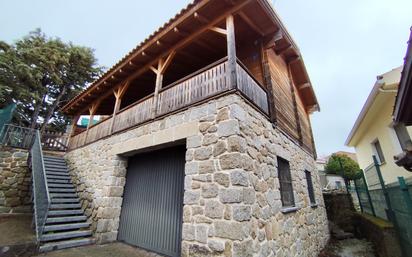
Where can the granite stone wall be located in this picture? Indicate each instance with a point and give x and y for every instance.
(15, 181)
(232, 204)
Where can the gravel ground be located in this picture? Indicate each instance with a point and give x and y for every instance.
(348, 248)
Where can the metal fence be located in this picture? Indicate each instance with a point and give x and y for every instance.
(41, 195)
(392, 202)
(15, 136)
(22, 137)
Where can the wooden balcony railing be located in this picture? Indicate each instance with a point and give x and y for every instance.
(202, 85)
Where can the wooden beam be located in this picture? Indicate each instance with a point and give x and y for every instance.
(218, 30)
(201, 18)
(231, 50)
(251, 23)
(283, 49)
(185, 41)
(303, 86)
(273, 41)
(166, 63)
(180, 32)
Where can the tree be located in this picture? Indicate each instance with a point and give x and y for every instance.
(339, 163)
(40, 74)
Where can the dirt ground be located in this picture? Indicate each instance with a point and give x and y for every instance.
(348, 248)
(16, 229)
(107, 250)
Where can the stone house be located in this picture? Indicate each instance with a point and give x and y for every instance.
(204, 146)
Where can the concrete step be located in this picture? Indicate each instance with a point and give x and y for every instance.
(58, 181)
(68, 226)
(65, 235)
(65, 200)
(53, 157)
(65, 206)
(65, 176)
(57, 170)
(63, 195)
(60, 190)
(67, 185)
(54, 162)
(57, 173)
(64, 212)
(66, 219)
(55, 165)
(65, 244)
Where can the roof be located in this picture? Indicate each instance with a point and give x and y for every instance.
(403, 108)
(137, 59)
(388, 81)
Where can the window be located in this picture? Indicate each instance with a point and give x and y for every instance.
(377, 151)
(338, 185)
(310, 187)
(285, 181)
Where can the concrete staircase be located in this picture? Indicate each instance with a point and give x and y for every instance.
(66, 225)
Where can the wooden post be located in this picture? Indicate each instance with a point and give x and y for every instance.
(159, 71)
(92, 111)
(231, 50)
(72, 128)
(118, 94)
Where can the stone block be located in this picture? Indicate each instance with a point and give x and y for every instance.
(230, 195)
(221, 179)
(203, 153)
(213, 209)
(229, 230)
(210, 190)
(191, 197)
(239, 178)
(242, 212)
(228, 128)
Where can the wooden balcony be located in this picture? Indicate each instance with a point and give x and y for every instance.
(204, 84)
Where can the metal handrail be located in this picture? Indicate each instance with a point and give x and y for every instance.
(41, 194)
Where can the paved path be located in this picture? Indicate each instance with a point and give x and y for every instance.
(107, 250)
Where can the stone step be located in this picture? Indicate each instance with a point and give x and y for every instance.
(59, 181)
(65, 235)
(64, 212)
(68, 226)
(60, 190)
(65, 200)
(63, 195)
(65, 244)
(67, 185)
(53, 157)
(66, 219)
(65, 206)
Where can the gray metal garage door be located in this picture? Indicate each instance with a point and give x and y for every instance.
(152, 206)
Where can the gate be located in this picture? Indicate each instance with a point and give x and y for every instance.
(151, 216)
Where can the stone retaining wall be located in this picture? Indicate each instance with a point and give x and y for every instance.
(232, 203)
(15, 181)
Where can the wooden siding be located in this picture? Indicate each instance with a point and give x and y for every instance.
(305, 126)
(284, 102)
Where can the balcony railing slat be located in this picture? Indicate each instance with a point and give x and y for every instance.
(202, 85)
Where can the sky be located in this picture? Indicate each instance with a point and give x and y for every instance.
(345, 44)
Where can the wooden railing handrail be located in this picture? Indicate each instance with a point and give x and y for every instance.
(191, 75)
(250, 74)
(100, 121)
(135, 103)
(184, 93)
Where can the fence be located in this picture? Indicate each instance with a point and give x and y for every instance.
(392, 202)
(21, 137)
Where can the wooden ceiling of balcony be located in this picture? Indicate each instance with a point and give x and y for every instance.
(189, 34)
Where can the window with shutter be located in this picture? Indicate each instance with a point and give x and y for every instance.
(285, 181)
(310, 187)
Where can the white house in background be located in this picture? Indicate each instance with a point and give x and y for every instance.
(331, 181)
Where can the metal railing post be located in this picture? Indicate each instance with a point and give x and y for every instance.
(368, 194)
